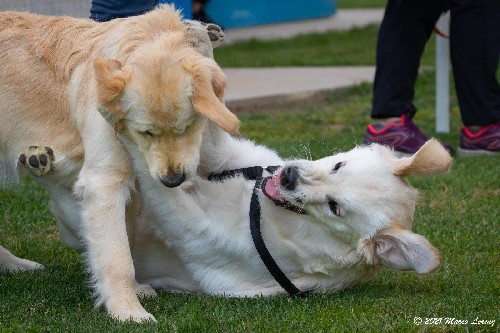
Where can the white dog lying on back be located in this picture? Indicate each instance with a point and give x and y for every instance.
(326, 224)
(353, 214)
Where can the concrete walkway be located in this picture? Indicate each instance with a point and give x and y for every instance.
(249, 84)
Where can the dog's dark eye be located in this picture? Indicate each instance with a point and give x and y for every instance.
(338, 166)
(334, 207)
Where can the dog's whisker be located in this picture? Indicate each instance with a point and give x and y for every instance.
(323, 143)
(354, 136)
(306, 150)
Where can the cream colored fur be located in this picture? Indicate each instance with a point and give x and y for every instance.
(196, 237)
(73, 85)
(199, 239)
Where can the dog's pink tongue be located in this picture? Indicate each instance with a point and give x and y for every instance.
(272, 188)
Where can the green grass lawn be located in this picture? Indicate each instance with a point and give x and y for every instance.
(361, 3)
(348, 48)
(458, 212)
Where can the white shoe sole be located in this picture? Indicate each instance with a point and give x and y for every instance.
(479, 152)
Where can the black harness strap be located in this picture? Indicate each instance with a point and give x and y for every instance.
(250, 173)
(271, 265)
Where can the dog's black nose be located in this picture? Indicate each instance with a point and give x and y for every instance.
(173, 180)
(289, 177)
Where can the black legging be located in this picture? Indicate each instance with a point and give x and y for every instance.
(474, 47)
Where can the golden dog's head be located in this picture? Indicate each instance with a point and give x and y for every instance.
(159, 100)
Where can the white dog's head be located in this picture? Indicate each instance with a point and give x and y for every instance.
(364, 197)
(159, 100)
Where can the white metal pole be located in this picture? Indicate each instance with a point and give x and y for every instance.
(443, 75)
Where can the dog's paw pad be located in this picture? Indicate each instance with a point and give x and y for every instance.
(37, 159)
(199, 31)
(216, 34)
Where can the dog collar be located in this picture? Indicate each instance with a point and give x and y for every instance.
(250, 173)
(260, 246)
(255, 173)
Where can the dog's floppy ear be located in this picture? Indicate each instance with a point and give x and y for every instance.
(208, 91)
(404, 250)
(111, 80)
(430, 159)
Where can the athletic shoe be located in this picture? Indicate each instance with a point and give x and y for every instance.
(402, 135)
(484, 142)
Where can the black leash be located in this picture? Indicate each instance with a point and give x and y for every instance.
(271, 265)
(256, 173)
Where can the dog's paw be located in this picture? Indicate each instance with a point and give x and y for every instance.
(215, 33)
(20, 265)
(136, 314)
(204, 35)
(25, 265)
(37, 159)
(9, 263)
(144, 291)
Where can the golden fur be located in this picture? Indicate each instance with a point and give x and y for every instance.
(73, 85)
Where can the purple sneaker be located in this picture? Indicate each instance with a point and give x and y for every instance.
(484, 142)
(402, 135)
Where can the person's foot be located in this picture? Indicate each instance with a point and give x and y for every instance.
(486, 141)
(399, 133)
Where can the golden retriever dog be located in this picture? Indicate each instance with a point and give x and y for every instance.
(73, 85)
(326, 224)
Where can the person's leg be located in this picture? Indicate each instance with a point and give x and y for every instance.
(475, 51)
(405, 29)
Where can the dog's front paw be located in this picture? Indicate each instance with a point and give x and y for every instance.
(37, 159)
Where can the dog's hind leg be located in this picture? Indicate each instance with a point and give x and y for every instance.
(9, 263)
(59, 167)
(38, 160)
(215, 34)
